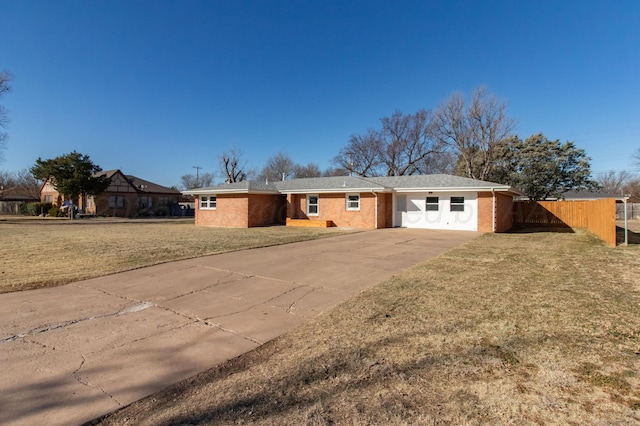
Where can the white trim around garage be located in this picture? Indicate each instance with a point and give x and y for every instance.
(410, 210)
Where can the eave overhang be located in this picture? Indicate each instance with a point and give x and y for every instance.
(334, 190)
(507, 189)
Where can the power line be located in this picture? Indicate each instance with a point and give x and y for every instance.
(602, 172)
(197, 175)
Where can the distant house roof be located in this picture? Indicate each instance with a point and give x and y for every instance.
(146, 186)
(17, 193)
(586, 194)
(107, 173)
(358, 184)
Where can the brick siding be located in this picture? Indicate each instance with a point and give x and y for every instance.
(503, 213)
(243, 211)
(231, 211)
(266, 209)
(333, 207)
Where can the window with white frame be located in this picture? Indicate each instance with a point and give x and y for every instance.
(432, 204)
(208, 202)
(353, 201)
(457, 204)
(312, 205)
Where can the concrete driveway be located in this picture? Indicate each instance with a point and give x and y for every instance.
(72, 353)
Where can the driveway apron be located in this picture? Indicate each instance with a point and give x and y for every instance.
(72, 353)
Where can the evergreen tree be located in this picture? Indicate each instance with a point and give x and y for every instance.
(72, 175)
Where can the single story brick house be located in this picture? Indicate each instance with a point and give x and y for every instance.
(12, 198)
(426, 201)
(126, 196)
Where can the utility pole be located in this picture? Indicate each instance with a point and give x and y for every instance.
(197, 175)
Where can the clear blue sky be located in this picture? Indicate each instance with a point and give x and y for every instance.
(156, 87)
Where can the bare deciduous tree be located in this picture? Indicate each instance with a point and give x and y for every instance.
(5, 78)
(443, 162)
(636, 158)
(615, 183)
(22, 180)
(190, 181)
(399, 148)
(309, 171)
(408, 142)
(474, 130)
(279, 167)
(335, 171)
(361, 155)
(233, 166)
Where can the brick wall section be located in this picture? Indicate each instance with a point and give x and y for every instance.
(243, 211)
(503, 212)
(388, 223)
(266, 209)
(485, 212)
(333, 207)
(49, 190)
(231, 211)
(385, 210)
(130, 208)
(296, 206)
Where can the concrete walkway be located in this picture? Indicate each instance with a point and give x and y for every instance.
(72, 353)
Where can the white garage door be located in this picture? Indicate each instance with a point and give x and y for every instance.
(443, 210)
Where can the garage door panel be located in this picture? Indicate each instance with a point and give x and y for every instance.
(416, 214)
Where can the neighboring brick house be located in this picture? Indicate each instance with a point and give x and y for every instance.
(126, 196)
(429, 201)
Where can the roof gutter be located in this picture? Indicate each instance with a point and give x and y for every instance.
(228, 191)
(340, 190)
(461, 189)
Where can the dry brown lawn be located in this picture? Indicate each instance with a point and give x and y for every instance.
(42, 253)
(528, 328)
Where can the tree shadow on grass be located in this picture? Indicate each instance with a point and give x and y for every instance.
(304, 389)
(538, 229)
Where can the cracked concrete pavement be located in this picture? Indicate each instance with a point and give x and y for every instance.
(72, 353)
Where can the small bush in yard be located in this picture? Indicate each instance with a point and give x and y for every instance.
(56, 212)
(34, 209)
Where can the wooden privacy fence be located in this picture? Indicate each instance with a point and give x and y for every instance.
(599, 216)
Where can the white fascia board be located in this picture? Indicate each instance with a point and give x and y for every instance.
(460, 189)
(228, 191)
(334, 190)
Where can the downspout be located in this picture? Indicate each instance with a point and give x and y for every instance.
(493, 215)
(376, 212)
